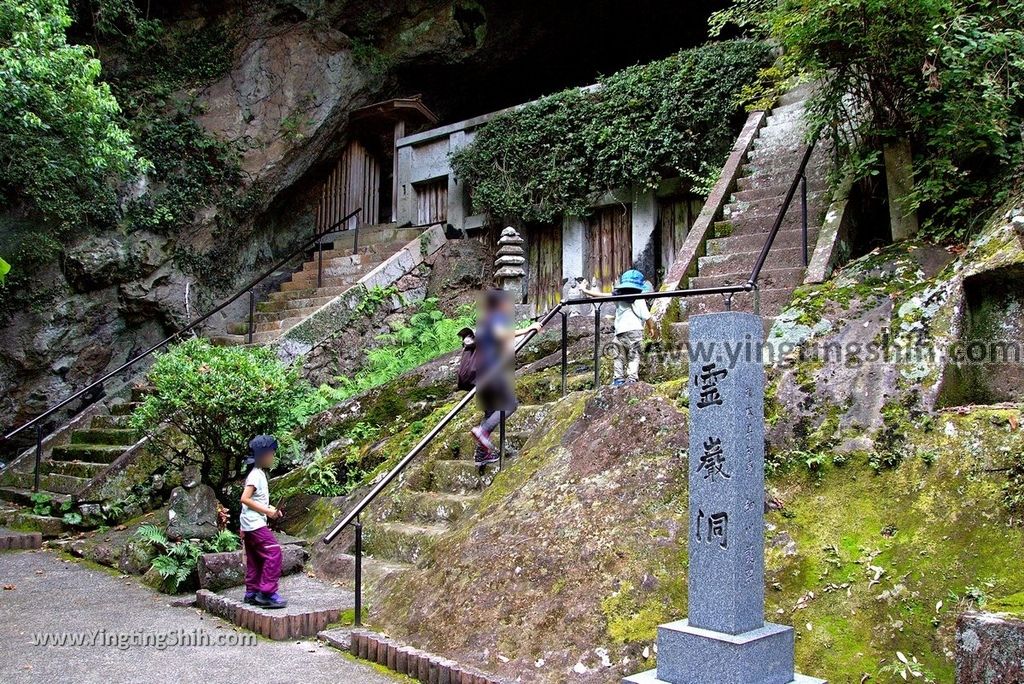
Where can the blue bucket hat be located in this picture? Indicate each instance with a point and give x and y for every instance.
(259, 445)
(632, 281)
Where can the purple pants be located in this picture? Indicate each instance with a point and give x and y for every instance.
(262, 560)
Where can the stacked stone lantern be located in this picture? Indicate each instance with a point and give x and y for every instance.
(511, 265)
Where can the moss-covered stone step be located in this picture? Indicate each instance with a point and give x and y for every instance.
(81, 469)
(772, 303)
(109, 436)
(23, 496)
(772, 276)
(49, 482)
(111, 422)
(277, 305)
(430, 507)
(454, 477)
(786, 238)
(735, 262)
(92, 453)
(124, 408)
(289, 295)
(375, 570)
(401, 542)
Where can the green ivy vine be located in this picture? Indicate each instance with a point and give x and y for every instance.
(674, 117)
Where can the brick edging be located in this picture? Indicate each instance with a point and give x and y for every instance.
(273, 626)
(420, 665)
(10, 541)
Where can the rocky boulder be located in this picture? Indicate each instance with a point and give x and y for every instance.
(224, 570)
(192, 513)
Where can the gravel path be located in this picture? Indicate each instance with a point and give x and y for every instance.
(44, 595)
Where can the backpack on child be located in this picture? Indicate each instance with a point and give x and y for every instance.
(469, 363)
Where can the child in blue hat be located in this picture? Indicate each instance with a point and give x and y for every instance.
(630, 318)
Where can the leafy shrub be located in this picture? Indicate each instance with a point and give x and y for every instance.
(947, 74)
(677, 116)
(64, 146)
(219, 398)
(177, 561)
(428, 335)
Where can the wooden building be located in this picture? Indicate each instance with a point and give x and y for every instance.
(364, 175)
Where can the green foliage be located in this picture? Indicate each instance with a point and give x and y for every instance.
(5, 268)
(375, 298)
(191, 168)
(428, 335)
(177, 561)
(42, 503)
(60, 125)
(219, 398)
(674, 117)
(1013, 490)
(63, 143)
(947, 74)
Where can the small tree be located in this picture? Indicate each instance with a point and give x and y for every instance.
(218, 398)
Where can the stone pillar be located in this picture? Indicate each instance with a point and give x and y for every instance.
(726, 640)
(511, 265)
(899, 180)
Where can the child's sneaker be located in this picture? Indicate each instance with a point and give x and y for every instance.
(484, 457)
(482, 438)
(250, 598)
(618, 382)
(271, 601)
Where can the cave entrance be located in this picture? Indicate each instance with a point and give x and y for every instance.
(987, 367)
(363, 176)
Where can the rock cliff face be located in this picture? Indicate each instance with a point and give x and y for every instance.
(296, 70)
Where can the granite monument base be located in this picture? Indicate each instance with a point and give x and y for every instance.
(691, 655)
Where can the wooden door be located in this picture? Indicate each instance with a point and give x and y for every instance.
(544, 273)
(431, 202)
(676, 216)
(608, 250)
(353, 183)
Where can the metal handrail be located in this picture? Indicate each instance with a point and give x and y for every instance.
(163, 343)
(799, 182)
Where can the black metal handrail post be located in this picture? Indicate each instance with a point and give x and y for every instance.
(597, 346)
(320, 262)
(252, 315)
(803, 213)
(39, 456)
(565, 352)
(188, 327)
(359, 573)
(501, 442)
(355, 240)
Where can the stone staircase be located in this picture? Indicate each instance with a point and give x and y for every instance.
(301, 296)
(66, 469)
(747, 219)
(407, 524)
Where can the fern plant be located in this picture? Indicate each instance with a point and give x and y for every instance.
(176, 562)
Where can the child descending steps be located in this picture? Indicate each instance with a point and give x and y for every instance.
(262, 551)
(630, 319)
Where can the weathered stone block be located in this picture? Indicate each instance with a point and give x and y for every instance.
(223, 570)
(989, 649)
(192, 513)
